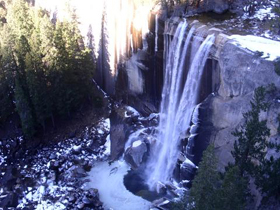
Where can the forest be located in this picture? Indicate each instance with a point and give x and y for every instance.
(46, 68)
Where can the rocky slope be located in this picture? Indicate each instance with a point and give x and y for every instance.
(53, 176)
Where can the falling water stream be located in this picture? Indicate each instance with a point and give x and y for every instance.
(156, 32)
(177, 105)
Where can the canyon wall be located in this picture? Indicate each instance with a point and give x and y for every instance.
(232, 73)
(231, 76)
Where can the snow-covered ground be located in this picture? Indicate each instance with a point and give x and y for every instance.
(261, 23)
(269, 49)
(261, 14)
(57, 172)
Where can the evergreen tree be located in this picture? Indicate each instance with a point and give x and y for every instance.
(19, 19)
(203, 194)
(213, 190)
(251, 144)
(36, 72)
(234, 192)
(6, 93)
(267, 179)
(6, 75)
(276, 19)
(44, 67)
(103, 71)
(23, 101)
(250, 150)
(90, 42)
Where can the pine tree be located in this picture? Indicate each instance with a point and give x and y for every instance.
(250, 150)
(213, 190)
(19, 19)
(6, 92)
(267, 179)
(23, 100)
(276, 19)
(251, 144)
(90, 43)
(203, 194)
(6, 73)
(103, 67)
(45, 67)
(234, 192)
(59, 69)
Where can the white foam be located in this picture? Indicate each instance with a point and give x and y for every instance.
(108, 179)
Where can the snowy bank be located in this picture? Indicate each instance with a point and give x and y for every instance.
(269, 48)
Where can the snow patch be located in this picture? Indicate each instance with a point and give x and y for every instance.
(264, 13)
(107, 124)
(131, 112)
(153, 115)
(100, 131)
(136, 143)
(108, 146)
(103, 126)
(269, 48)
(188, 162)
(261, 14)
(77, 147)
(134, 137)
(45, 205)
(2, 159)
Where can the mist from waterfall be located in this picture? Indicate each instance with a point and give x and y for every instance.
(179, 98)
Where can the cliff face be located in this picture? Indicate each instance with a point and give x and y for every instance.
(241, 72)
(140, 78)
(232, 73)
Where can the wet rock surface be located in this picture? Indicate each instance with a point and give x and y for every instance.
(52, 176)
(134, 155)
(125, 120)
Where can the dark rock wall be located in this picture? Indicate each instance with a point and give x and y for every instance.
(143, 92)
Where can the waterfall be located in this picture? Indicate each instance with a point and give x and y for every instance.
(156, 32)
(179, 99)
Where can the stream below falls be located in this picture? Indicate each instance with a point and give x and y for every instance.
(109, 180)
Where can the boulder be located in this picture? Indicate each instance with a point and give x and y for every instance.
(9, 200)
(123, 120)
(187, 170)
(193, 7)
(217, 6)
(10, 177)
(162, 204)
(117, 134)
(134, 155)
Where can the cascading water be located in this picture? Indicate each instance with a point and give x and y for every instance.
(177, 104)
(156, 32)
